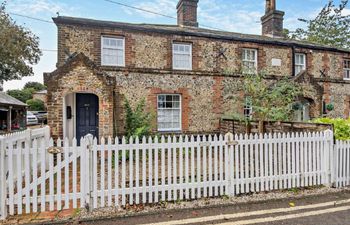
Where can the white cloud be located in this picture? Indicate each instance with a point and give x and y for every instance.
(214, 13)
(37, 7)
(230, 16)
(346, 12)
(167, 7)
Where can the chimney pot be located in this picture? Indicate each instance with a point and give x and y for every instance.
(187, 13)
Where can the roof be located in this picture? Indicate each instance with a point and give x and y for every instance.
(9, 100)
(41, 92)
(194, 31)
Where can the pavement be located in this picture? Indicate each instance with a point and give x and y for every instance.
(330, 209)
(320, 209)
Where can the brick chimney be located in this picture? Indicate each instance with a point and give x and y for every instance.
(272, 21)
(187, 13)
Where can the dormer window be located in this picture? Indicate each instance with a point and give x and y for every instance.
(182, 56)
(300, 63)
(347, 69)
(112, 51)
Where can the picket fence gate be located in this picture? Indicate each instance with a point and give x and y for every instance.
(117, 172)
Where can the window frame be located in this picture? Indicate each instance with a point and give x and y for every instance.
(179, 129)
(346, 70)
(295, 63)
(246, 60)
(103, 37)
(173, 54)
(247, 107)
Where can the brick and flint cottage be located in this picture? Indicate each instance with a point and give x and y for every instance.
(189, 76)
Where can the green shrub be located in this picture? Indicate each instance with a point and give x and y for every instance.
(341, 127)
(138, 121)
(22, 95)
(36, 105)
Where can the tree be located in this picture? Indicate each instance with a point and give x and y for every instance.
(35, 85)
(330, 27)
(22, 95)
(35, 105)
(270, 100)
(19, 48)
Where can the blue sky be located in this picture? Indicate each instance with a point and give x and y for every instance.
(232, 15)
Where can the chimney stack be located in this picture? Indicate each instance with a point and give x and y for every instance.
(272, 21)
(187, 13)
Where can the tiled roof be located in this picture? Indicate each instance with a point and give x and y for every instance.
(9, 100)
(194, 31)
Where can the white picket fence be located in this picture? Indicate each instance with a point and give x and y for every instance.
(341, 167)
(20, 163)
(119, 172)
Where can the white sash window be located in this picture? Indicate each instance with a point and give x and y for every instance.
(347, 69)
(182, 56)
(169, 112)
(300, 63)
(112, 51)
(250, 61)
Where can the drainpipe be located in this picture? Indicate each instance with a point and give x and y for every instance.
(293, 61)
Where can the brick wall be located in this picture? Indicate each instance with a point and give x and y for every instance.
(212, 89)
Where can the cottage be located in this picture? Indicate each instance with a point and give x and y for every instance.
(189, 76)
(41, 95)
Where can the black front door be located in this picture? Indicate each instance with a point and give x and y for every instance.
(87, 115)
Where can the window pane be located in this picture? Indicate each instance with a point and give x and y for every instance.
(249, 60)
(169, 113)
(182, 56)
(112, 51)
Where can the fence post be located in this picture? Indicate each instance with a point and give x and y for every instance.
(229, 177)
(3, 194)
(329, 157)
(89, 180)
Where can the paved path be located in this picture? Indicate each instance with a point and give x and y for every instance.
(332, 209)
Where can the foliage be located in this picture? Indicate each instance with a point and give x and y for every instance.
(330, 107)
(341, 127)
(19, 48)
(271, 100)
(35, 85)
(330, 27)
(36, 105)
(23, 95)
(138, 121)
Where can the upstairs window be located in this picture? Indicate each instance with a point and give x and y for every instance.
(300, 63)
(248, 108)
(347, 69)
(112, 51)
(169, 112)
(250, 61)
(182, 56)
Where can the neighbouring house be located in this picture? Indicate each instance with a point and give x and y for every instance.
(189, 76)
(12, 114)
(41, 95)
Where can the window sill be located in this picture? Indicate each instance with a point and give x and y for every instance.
(113, 66)
(179, 69)
(169, 131)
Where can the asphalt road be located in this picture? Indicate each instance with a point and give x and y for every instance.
(331, 209)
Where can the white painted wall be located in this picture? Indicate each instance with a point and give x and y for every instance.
(69, 124)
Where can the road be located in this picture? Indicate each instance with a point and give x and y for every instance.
(331, 209)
